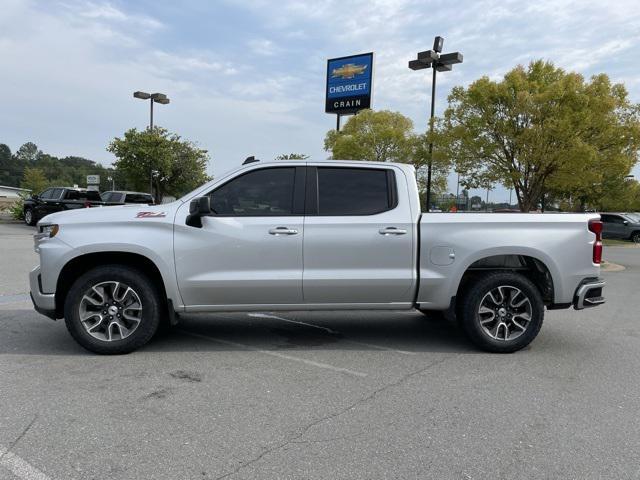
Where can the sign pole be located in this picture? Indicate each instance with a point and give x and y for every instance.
(337, 122)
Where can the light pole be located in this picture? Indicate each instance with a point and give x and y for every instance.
(113, 183)
(160, 98)
(457, 191)
(439, 62)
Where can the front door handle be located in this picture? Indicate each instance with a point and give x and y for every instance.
(392, 231)
(283, 231)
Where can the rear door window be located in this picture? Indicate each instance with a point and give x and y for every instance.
(354, 191)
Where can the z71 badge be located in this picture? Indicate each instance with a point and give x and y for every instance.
(151, 214)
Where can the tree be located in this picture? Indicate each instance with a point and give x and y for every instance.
(7, 174)
(27, 153)
(174, 166)
(34, 179)
(541, 129)
(292, 156)
(381, 136)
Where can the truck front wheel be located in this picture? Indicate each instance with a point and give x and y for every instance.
(501, 312)
(112, 309)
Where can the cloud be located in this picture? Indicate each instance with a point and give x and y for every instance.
(69, 67)
(262, 46)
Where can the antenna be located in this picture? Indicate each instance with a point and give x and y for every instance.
(250, 159)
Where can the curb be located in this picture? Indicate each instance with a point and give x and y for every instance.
(611, 267)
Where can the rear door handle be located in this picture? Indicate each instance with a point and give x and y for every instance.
(392, 231)
(283, 231)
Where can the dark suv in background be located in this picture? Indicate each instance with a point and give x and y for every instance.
(622, 226)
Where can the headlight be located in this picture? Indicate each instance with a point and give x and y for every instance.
(48, 231)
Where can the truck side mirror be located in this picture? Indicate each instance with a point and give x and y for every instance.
(35, 196)
(198, 208)
(625, 222)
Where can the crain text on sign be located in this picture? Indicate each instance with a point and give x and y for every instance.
(349, 83)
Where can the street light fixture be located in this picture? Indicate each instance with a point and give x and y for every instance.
(160, 98)
(113, 183)
(439, 62)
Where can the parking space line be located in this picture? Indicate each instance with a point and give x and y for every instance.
(20, 467)
(333, 332)
(276, 354)
(265, 315)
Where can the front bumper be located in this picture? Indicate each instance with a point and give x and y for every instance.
(589, 294)
(44, 303)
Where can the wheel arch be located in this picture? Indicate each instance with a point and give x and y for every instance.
(531, 267)
(83, 263)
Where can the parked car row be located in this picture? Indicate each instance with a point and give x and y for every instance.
(58, 199)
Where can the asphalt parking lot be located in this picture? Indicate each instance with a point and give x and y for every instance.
(320, 395)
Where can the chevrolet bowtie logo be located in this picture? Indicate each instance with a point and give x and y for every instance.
(348, 71)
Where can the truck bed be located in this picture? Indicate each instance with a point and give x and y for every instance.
(451, 243)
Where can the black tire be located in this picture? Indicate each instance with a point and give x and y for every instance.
(151, 312)
(470, 318)
(635, 237)
(29, 217)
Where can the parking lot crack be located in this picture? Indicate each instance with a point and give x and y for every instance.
(302, 432)
(13, 444)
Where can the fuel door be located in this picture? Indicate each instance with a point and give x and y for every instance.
(442, 255)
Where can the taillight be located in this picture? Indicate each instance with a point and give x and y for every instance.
(87, 204)
(595, 226)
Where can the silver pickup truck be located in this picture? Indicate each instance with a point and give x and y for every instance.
(330, 235)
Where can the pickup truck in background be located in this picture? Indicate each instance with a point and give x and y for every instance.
(114, 197)
(292, 235)
(58, 199)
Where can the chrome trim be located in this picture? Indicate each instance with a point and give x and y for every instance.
(581, 302)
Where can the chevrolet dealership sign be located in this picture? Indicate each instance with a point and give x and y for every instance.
(349, 83)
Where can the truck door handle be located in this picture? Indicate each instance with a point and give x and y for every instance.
(283, 231)
(392, 231)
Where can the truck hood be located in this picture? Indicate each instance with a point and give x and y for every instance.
(119, 213)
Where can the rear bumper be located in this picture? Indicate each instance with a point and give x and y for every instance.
(589, 294)
(44, 303)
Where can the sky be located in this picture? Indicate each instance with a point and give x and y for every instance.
(247, 77)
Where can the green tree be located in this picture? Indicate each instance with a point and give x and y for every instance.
(381, 136)
(292, 156)
(27, 153)
(541, 129)
(34, 179)
(174, 166)
(7, 173)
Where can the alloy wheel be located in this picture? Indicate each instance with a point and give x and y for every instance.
(505, 313)
(110, 311)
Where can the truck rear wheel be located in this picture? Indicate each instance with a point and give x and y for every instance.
(112, 309)
(501, 312)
